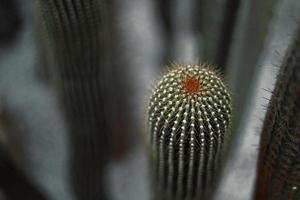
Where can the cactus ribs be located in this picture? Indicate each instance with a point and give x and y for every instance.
(189, 115)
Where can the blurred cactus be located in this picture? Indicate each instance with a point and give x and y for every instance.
(213, 17)
(77, 34)
(179, 28)
(10, 21)
(278, 174)
(189, 116)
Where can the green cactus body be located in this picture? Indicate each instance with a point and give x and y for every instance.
(77, 34)
(278, 174)
(189, 115)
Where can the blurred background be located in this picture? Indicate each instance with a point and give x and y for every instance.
(73, 113)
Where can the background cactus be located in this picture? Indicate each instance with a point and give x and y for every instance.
(77, 35)
(278, 175)
(189, 116)
(10, 23)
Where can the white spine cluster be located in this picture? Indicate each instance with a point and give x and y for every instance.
(189, 114)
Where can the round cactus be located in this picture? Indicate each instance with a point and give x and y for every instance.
(189, 115)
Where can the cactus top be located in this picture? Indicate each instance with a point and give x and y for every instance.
(189, 114)
(200, 84)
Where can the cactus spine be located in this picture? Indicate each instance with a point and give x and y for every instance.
(189, 115)
(278, 175)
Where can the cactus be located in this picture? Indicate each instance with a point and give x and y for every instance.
(77, 35)
(189, 116)
(278, 174)
(11, 22)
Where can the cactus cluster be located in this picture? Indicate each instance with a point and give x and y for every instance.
(189, 115)
(278, 174)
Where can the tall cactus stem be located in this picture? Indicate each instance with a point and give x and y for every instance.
(77, 34)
